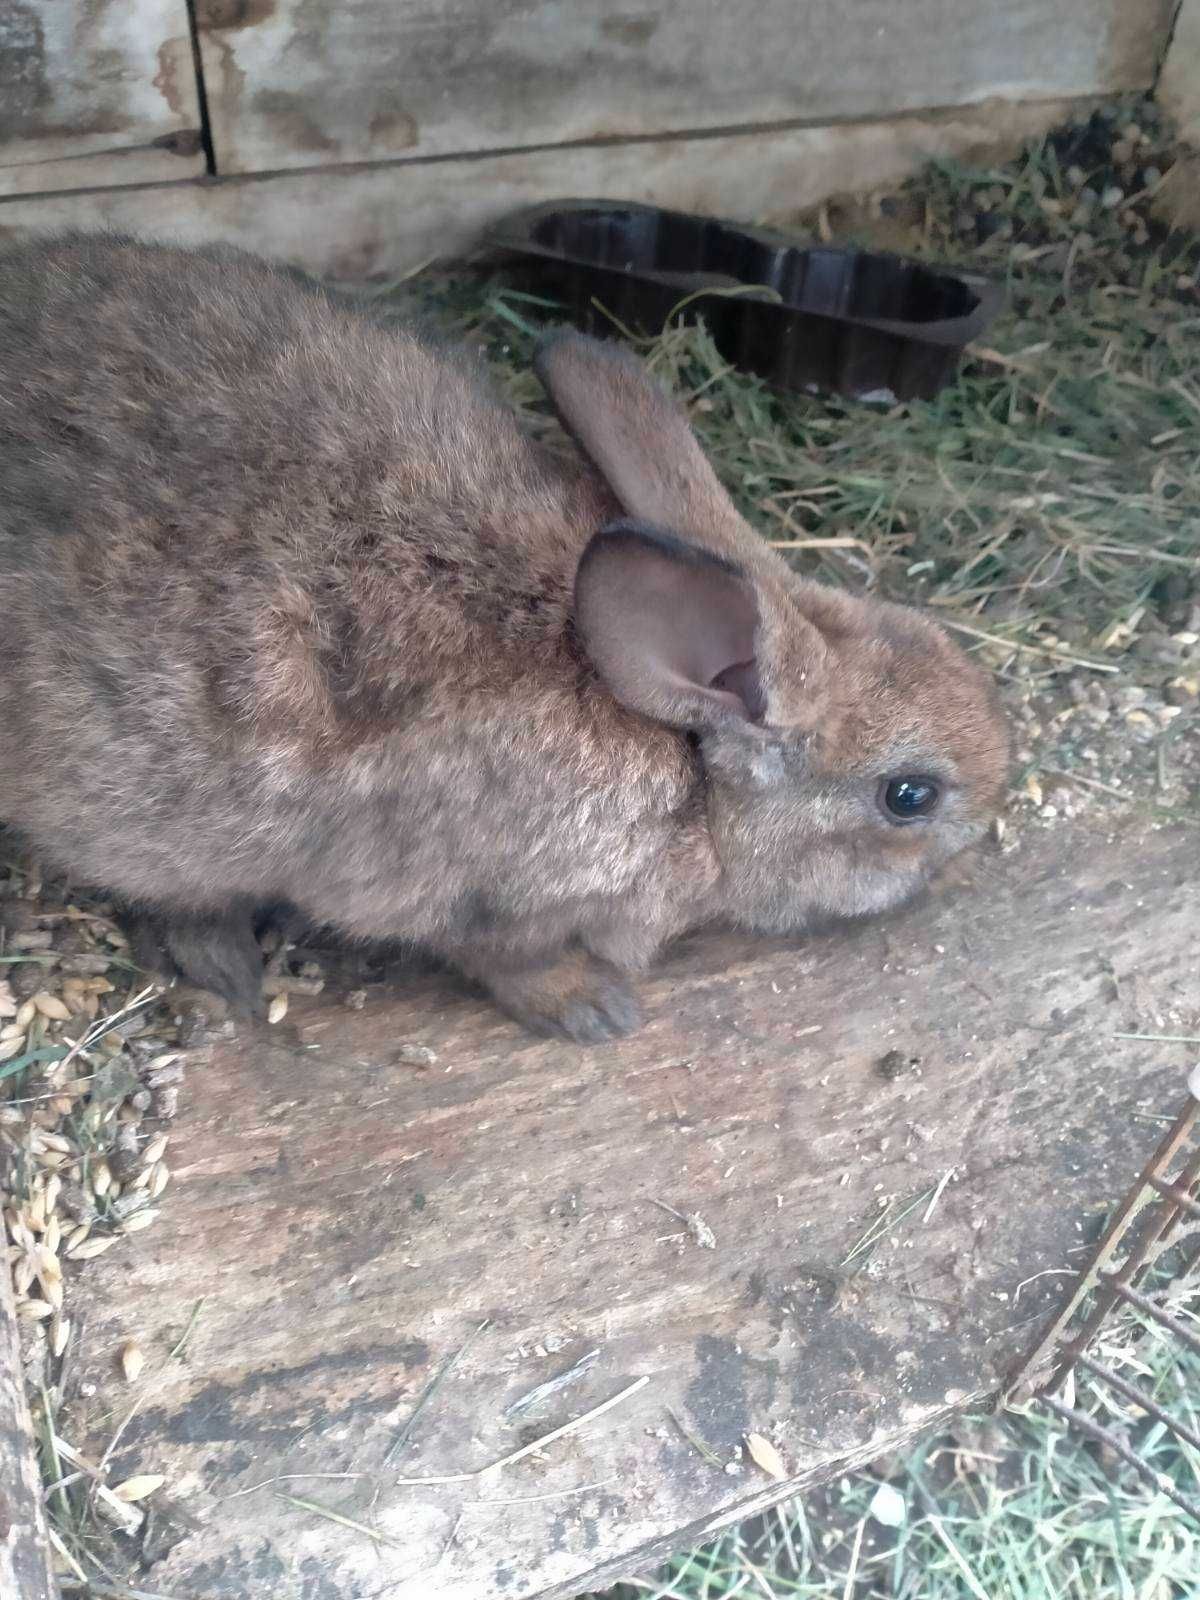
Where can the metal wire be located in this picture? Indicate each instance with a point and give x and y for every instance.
(1157, 1216)
(1102, 1435)
(1130, 1391)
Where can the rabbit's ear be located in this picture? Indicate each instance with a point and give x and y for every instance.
(670, 628)
(634, 434)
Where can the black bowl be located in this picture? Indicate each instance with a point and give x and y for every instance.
(827, 320)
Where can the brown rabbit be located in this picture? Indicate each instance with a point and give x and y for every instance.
(292, 610)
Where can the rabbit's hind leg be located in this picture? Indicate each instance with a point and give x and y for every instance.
(213, 950)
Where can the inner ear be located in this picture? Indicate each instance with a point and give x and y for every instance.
(742, 679)
(670, 628)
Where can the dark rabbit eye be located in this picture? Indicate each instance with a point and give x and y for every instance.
(906, 798)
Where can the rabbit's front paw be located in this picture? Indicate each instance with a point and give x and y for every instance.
(576, 998)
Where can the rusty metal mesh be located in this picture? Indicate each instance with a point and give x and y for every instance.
(1150, 1248)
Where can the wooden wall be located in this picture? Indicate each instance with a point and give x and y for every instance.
(401, 125)
(96, 93)
(303, 83)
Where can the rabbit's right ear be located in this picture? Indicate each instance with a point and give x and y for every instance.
(671, 629)
(635, 434)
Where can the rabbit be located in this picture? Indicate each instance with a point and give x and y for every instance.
(293, 611)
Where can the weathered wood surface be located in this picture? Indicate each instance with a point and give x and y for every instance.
(103, 93)
(350, 1211)
(378, 221)
(293, 83)
(25, 1572)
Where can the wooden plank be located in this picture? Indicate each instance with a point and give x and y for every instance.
(361, 1193)
(377, 221)
(305, 83)
(103, 93)
(25, 1572)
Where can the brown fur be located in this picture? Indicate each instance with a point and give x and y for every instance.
(289, 614)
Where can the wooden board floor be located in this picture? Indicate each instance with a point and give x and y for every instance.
(349, 1212)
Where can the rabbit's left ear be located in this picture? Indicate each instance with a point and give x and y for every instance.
(670, 628)
(636, 436)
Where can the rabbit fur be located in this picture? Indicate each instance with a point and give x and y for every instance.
(292, 610)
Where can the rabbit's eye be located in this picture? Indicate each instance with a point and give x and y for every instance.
(906, 798)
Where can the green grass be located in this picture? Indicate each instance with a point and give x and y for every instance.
(1012, 1509)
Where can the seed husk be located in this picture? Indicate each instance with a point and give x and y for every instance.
(138, 1487)
(49, 1268)
(765, 1455)
(35, 1310)
(91, 1248)
(156, 1149)
(55, 1141)
(138, 1221)
(51, 1007)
